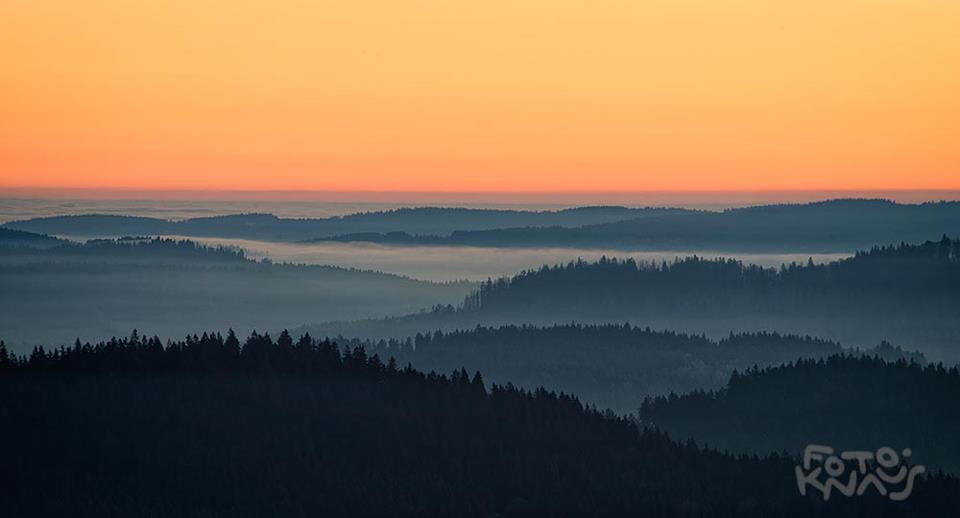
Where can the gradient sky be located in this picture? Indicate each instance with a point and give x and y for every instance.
(498, 95)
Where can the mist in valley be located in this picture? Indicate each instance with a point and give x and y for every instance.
(448, 263)
(107, 288)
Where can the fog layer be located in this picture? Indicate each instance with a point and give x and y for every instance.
(445, 263)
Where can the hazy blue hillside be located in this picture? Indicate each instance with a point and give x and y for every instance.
(125, 250)
(611, 366)
(835, 225)
(17, 238)
(167, 287)
(424, 220)
(845, 402)
(908, 294)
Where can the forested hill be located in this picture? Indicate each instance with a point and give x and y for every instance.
(851, 403)
(211, 426)
(613, 366)
(923, 277)
(422, 220)
(17, 238)
(906, 294)
(835, 225)
(126, 249)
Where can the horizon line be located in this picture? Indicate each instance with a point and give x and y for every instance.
(228, 190)
(557, 197)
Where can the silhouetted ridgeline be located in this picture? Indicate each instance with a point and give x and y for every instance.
(422, 220)
(852, 403)
(613, 366)
(107, 287)
(210, 427)
(834, 225)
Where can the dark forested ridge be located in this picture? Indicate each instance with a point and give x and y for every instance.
(210, 426)
(421, 220)
(908, 294)
(835, 225)
(105, 287)
(888, 278)
(852, 403)
(613, 366)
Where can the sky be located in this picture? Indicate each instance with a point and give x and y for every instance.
(492, 96)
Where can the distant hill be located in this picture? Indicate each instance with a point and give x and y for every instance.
(437, 221)
(908, 294)
(18, 238)
(850, 403)
(613, 366)
(147, 250)
(167, 287)
(841, 225)
(215, 426)
(828, 226)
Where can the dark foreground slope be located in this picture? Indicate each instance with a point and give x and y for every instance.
(853, 403)
(108, 287)
(613, 366)
(209, 428)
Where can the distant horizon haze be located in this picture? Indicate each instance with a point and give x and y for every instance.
(546, 197)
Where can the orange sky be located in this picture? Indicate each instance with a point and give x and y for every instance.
(498, 95)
